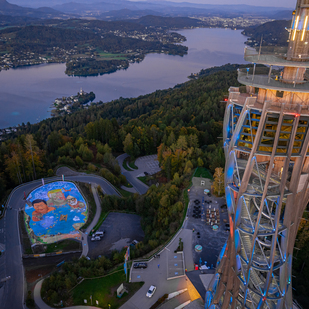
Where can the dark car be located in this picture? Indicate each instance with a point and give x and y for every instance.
(223, 206)
(209, 194)
(140, 265)
(227, 226)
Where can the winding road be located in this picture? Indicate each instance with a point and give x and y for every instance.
(13, 290)
(131, 176)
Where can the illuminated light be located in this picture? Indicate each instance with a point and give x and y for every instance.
(264, 298)
(225, 100)
(304, 29)
(295, 29)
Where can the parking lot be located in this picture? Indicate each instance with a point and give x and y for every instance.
(120, 230)
(211, 240)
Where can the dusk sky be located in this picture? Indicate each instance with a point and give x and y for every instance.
(279, 3)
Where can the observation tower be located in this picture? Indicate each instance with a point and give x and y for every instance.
(266, 141)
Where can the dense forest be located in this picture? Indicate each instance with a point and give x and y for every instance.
(180, 124)
(192, 110)
(274, 33)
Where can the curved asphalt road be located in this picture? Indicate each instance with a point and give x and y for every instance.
(13, 290)
(139, 186)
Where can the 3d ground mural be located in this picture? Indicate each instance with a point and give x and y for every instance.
(54, 212)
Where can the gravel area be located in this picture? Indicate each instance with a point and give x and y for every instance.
(120, 230)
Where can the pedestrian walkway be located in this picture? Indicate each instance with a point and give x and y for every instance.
(153, 275)
(132, 190)
(93, 223)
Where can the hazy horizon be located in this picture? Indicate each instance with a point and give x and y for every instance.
(273, 3)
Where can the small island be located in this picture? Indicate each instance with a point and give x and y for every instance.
(68, 105)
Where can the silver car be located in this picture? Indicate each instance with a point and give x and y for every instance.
(151, 291)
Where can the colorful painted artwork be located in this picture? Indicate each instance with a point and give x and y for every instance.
(54, 212)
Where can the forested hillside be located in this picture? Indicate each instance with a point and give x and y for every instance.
(274, 33)
(192, 110)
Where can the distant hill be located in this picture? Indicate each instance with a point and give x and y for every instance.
(6, 20)
(274, 33)
(16, 10)
(124, 14)
(167, 22)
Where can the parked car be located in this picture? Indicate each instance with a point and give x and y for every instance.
(94, 238)
(99, 233)
(151, 291)
(209, 194)
(140, 265)
(227, 226)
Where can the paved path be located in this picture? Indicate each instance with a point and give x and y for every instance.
(13, 291)
(42, 305)
(132, 190)
(154, 275)
(147, 164)
(93, 223)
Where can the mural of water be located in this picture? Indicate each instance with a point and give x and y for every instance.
(54, 212)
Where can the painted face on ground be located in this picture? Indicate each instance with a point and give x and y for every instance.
(41, 208)
(72, 200)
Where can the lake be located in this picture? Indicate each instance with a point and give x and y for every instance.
(27, 93)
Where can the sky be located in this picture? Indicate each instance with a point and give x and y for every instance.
(273, 3)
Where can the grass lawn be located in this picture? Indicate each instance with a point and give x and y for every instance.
(202, 172)
(124, 193)
(128, 185)
(104, 290)
(124, 165)
(65, 245)
(24, 235)
(143, 179)
(112, 56)
(101, 219)
(132, 165)
(92, 208)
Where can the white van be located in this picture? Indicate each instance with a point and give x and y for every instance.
(94, 238)
(99, 233)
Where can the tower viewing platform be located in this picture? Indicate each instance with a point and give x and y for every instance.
(266, 144)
